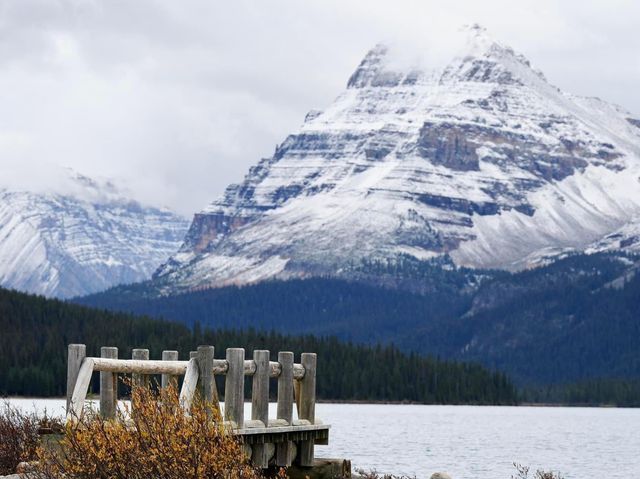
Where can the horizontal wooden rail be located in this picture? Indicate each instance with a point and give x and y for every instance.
(179, 368)
(129, 366)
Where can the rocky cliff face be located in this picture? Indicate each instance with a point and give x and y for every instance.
(70, 245)
(482, 160)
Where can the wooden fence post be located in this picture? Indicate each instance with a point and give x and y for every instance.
(207, 380)
(260, 388)
(76, 406)
(189, 385)
(260, 403)
(75, 355)
(308, 387)
(167, 379)
(285, 450)
(234, 387)
(139, 380)
(108, 386)
(307, 405)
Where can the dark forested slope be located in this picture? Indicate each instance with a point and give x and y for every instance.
(575, 319)
(36, 331)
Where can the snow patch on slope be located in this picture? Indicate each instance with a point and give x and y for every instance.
(570, 214)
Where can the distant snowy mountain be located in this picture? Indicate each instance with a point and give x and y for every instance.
(482, 160)
(81, 242)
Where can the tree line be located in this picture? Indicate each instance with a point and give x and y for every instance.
(591, 392)
(574, 319)
(36, 331)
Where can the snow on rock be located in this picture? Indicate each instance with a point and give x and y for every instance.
(70, 245)
(483, 160)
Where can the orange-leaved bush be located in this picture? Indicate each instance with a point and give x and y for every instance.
(156, 440)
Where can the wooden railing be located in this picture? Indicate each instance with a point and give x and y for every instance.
(277, 440)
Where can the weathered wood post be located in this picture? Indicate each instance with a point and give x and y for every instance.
(234, 387)
(308, 387)
(285, 450)
(307, 405)
(167, 379)
(260, 388)
(260, 403)
(139, 380)
(189, 385)
(205, 356)
(75, 355)
(108, 386)
(285, 387)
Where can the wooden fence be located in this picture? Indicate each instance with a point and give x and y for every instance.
(268, 441)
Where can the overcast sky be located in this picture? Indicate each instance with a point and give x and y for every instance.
(176, 99)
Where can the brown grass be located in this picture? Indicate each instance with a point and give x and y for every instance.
(158, 441)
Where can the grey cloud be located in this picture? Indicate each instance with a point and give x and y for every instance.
(177, 99)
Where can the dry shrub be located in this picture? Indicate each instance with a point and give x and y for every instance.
(523, 473)
(157, 441)
(373, 474)
(19, 438)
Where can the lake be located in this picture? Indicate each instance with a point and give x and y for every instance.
(473, 442)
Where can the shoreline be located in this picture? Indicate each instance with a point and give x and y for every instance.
(395, 403)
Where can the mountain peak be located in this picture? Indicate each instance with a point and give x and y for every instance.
(50, 179)
(476, 34)
(371, 68)
(478, 58)
(483, 59)
(478, 42)
(481, 161)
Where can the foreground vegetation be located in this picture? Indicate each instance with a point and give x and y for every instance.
(36, 332)
(157, 439)
(19, 437)
(522, 472)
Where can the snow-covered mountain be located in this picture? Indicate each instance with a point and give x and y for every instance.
(82, 241)
(482, 160)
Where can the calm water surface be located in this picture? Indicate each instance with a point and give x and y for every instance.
(472, 442)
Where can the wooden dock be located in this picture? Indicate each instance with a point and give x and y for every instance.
(280, 441)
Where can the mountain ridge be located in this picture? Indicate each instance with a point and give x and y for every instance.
(483, 161)
(85, 241)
